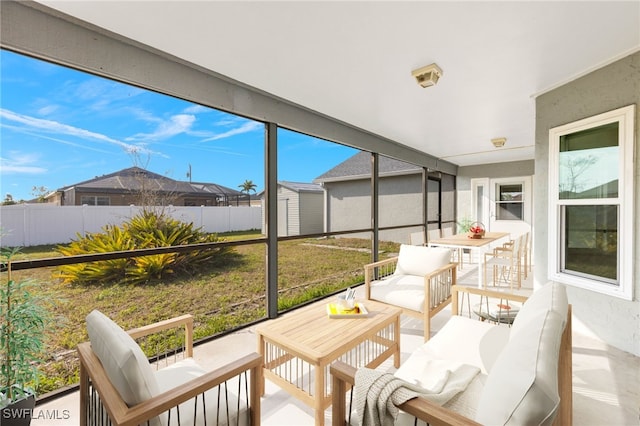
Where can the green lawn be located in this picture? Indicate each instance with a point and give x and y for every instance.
(227, 295)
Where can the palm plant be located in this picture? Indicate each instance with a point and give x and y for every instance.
(247, 186)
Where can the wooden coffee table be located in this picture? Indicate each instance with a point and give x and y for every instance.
(299, 347)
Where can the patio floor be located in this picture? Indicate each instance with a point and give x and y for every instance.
(606, 381)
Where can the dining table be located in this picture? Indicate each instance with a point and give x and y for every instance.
(480, 245)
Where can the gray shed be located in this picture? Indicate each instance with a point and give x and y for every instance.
(300, 208)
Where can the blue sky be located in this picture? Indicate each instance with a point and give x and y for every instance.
(59, 127)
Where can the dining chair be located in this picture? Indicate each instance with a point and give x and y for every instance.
(525, 252)
(506, 261)
(456, 254)
(417, 238)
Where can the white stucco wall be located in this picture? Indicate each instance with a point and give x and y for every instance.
(491, 171)
(400, 204)
(614, 320)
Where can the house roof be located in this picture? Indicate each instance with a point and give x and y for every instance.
(301, 186)
(138, 179)
(359, 167)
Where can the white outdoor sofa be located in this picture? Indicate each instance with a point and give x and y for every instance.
(525, 370)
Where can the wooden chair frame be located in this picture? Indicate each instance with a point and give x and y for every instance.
(445, 275)
(343, 378)
(92, 374)
(509, 257)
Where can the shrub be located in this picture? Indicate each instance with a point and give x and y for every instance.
(147, 230)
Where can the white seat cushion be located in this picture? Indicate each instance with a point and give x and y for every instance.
(216, 408)
(463, 340)
(405, 291)
(124, 362)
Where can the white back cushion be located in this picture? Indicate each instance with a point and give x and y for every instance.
(122, 359)
(522, 387)
(418, 260)
(552, 296)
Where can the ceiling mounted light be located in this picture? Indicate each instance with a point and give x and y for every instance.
(427, 76)
(498, 142)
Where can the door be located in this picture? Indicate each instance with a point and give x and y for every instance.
(504, 204)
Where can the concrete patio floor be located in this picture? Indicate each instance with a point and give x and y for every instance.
(606, 381)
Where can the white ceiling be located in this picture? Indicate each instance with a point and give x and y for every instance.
(353, 60)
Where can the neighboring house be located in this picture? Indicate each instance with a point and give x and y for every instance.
(348, 198)
(300, 208)
(138, 186)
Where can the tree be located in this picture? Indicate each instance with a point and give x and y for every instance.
(572, 168)
(39, 192)
(8, 200)
(248, 186)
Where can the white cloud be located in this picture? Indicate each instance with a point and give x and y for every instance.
(19, 163)
(180, 123)
(14, 169)
(47, 110)
(247, 127)
(196, 109)
(51, 126)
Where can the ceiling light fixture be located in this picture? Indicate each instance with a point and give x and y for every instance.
(427, 76)
(498, 142)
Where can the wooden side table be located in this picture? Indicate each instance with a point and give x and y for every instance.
(299, 347)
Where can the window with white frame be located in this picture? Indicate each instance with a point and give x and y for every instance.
(509, 201)
(591, 203)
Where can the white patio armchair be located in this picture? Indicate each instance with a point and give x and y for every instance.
(118, 385)
(418, 281)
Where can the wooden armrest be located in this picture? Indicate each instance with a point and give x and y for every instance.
(182, 393)
(503, 248)
(482, 292)
(121, 414)
(448, 267)
(183, 320)
(160, 326)
(419, 407)
(368, 273)
(381, 263)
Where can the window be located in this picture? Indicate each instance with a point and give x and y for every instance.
(92, 200)
(509, 203)
(591, 203)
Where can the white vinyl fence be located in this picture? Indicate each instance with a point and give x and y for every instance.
(24, 225)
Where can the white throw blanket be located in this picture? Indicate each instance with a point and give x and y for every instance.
(377, 394)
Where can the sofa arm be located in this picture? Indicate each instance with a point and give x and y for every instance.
(456, 289)
(343, 378)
